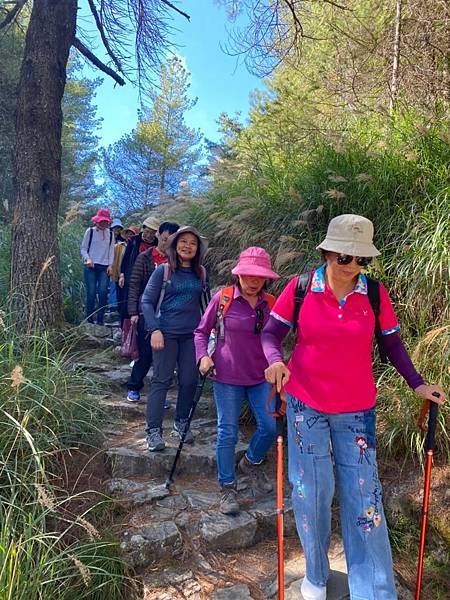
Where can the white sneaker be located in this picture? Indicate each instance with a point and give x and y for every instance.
(313, 592)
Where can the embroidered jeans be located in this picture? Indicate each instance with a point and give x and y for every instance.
(316, 440)
(229, 399)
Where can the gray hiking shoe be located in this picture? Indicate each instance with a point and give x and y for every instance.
(155, 441)
(259, 481)
(178, 429)
(228, 500)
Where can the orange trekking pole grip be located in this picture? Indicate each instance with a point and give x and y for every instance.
(429, 448)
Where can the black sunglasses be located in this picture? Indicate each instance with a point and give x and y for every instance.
(346, 259)
(259, 321)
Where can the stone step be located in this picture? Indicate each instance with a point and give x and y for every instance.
(118, 407)
(199, 458)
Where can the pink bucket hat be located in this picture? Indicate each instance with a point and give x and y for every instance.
(255, 262)
(102, 215)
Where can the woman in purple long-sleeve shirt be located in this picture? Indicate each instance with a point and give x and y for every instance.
(239, 365)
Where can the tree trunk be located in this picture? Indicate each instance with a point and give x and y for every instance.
(396, 55)
(35, 274)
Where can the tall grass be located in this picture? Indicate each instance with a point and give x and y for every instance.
(394, 172)
(46, 549)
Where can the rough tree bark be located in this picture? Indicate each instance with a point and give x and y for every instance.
(35, 279)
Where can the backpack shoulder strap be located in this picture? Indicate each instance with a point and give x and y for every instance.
(301, 289)
(166, 275)
(270, 299)
(373, 292)
(91, 233)
(110, 236)
(225, 299)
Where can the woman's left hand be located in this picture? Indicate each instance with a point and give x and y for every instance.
(426, 392)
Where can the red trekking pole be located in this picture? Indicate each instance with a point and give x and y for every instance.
(280, 411)
(280, 508)
(429, 448)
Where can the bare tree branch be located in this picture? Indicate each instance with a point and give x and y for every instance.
(10, 16)
(101, 30)
(95, 61)
(170, 5)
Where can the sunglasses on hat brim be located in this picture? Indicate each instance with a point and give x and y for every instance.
(346, 259)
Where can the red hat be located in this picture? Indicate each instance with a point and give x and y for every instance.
(102, 215)
(255, 262)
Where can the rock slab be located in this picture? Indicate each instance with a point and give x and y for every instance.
(236, 592)
(228, 532)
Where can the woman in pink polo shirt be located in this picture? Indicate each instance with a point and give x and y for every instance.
(239, 364)
(331, 409)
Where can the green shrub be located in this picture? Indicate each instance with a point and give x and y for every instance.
(46, 551)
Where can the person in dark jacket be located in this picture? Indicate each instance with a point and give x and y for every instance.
(138, 243)
(172, 311)
(144, 266)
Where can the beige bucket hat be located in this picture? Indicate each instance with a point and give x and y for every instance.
(151, 223)
(350, 234)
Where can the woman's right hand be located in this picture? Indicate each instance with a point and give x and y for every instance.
(134, 319)
(278, 374)
(206, 363)
(121, 280)
(157, 340)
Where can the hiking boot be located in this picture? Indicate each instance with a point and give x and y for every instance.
(179, 428)
(155, 442)
(133, 396)
(260, 483)
(228, 500)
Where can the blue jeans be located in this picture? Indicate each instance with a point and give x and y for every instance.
(313, 439)
(112, 298)
(228, 402)
(96, 282)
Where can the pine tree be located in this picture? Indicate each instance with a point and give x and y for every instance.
(80, 155)
(162, 151)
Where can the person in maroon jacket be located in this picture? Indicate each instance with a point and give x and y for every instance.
(142, 269)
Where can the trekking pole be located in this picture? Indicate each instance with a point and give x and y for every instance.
(280, 411)
(429, 448)
(198, 394)
(280, 508)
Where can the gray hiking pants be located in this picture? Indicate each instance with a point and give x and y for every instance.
(178, 351)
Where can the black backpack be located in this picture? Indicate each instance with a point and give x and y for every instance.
(91, 233)
(373, 291)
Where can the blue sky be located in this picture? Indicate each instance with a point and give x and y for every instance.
(221, 82)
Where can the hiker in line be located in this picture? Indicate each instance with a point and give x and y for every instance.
(331, 397)
(97, 251)
(237, 315)
(119, 250)
(119, 243)
(136, 244)
(172, 304)
(144, 266)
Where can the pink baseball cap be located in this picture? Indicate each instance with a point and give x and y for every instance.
(102, 215)
(255, 262)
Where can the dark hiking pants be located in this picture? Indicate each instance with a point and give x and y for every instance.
(143, 364)
(177, 351)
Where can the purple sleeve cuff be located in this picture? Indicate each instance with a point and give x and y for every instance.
(272, 338)
(399, 357)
